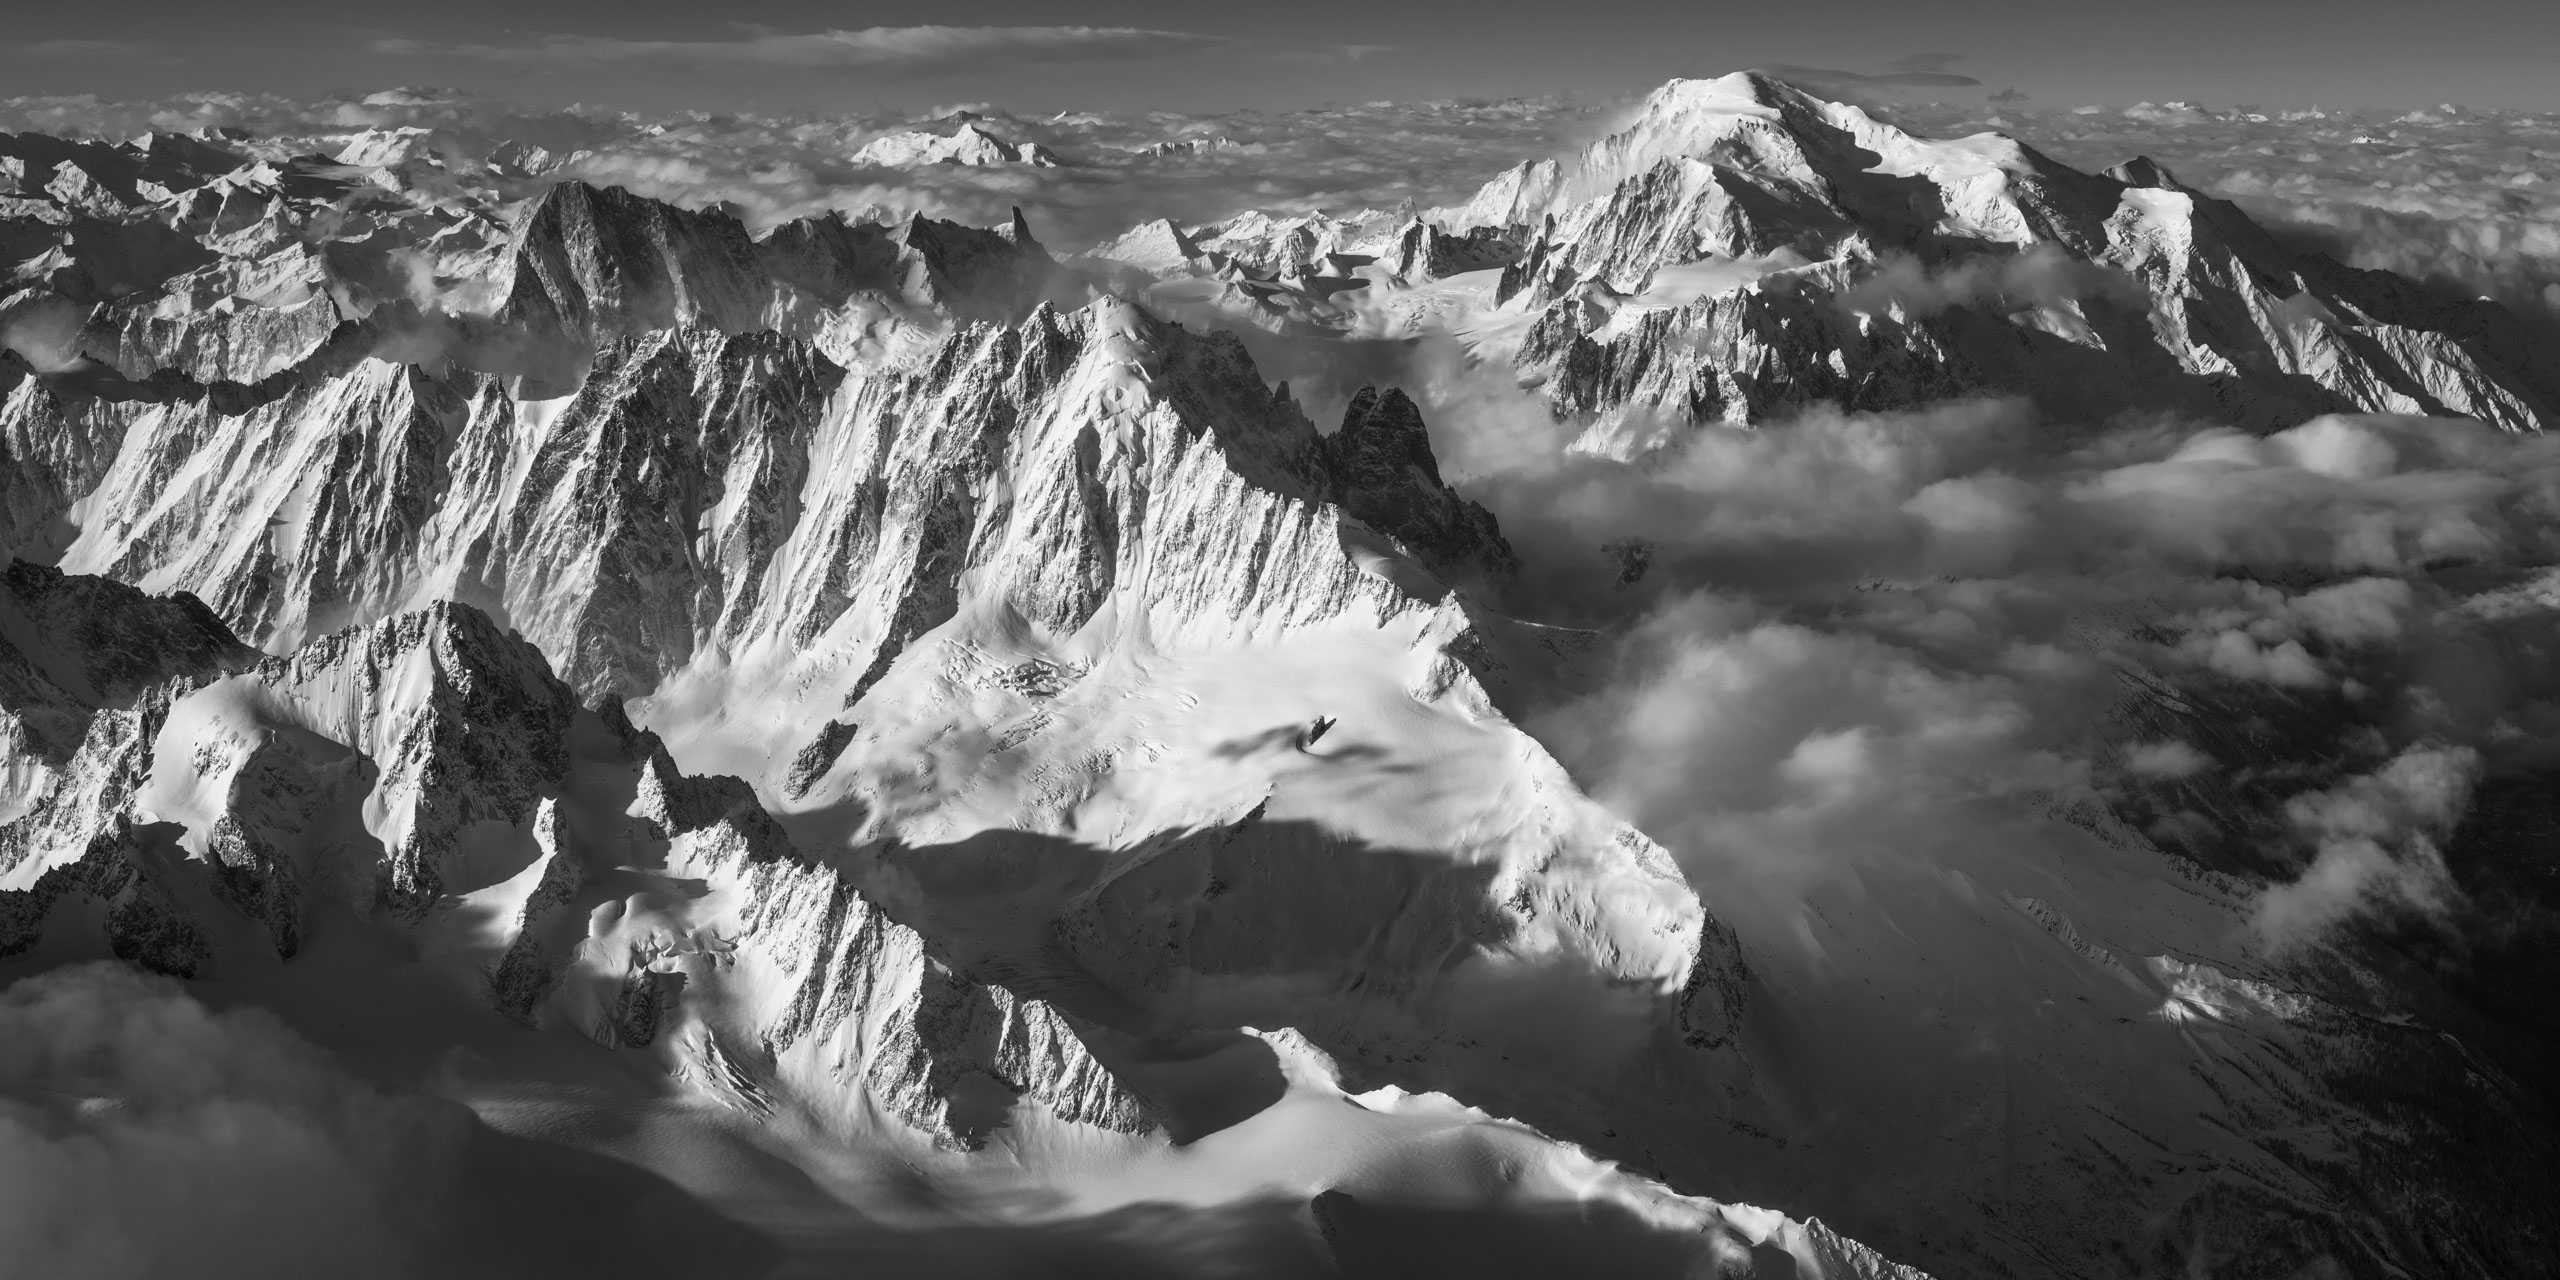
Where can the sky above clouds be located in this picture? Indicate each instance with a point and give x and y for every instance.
(1143, 54)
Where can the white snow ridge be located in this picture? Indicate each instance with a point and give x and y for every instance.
(548, 731)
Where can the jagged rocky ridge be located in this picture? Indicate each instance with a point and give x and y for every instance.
(407, 773)
(181, 266)
(702, 494)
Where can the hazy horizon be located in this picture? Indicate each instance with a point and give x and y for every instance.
(659, 55)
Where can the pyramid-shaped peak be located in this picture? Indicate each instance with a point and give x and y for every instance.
(1388, 425)
(1747, 120)
(1738, 91)
(1690, 117)
(2143, 171)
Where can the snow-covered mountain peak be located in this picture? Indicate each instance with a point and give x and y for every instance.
(1794, 152)
(1738, 233)
(387, 148)
(969, 144)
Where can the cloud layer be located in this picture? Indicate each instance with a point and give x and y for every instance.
(865, 47)
(143, 1134)
(2466, 198)
(1847, 640)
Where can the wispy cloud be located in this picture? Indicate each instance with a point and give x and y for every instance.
(866, 47)
(72, 50)
(1905, 78)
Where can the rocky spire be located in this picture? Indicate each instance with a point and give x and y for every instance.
(1380, 468)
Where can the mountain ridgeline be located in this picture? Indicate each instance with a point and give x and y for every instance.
(892, 671)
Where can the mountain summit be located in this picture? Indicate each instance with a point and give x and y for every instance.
(1741, 248)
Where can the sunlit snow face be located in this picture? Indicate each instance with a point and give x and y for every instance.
(2455, 197)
